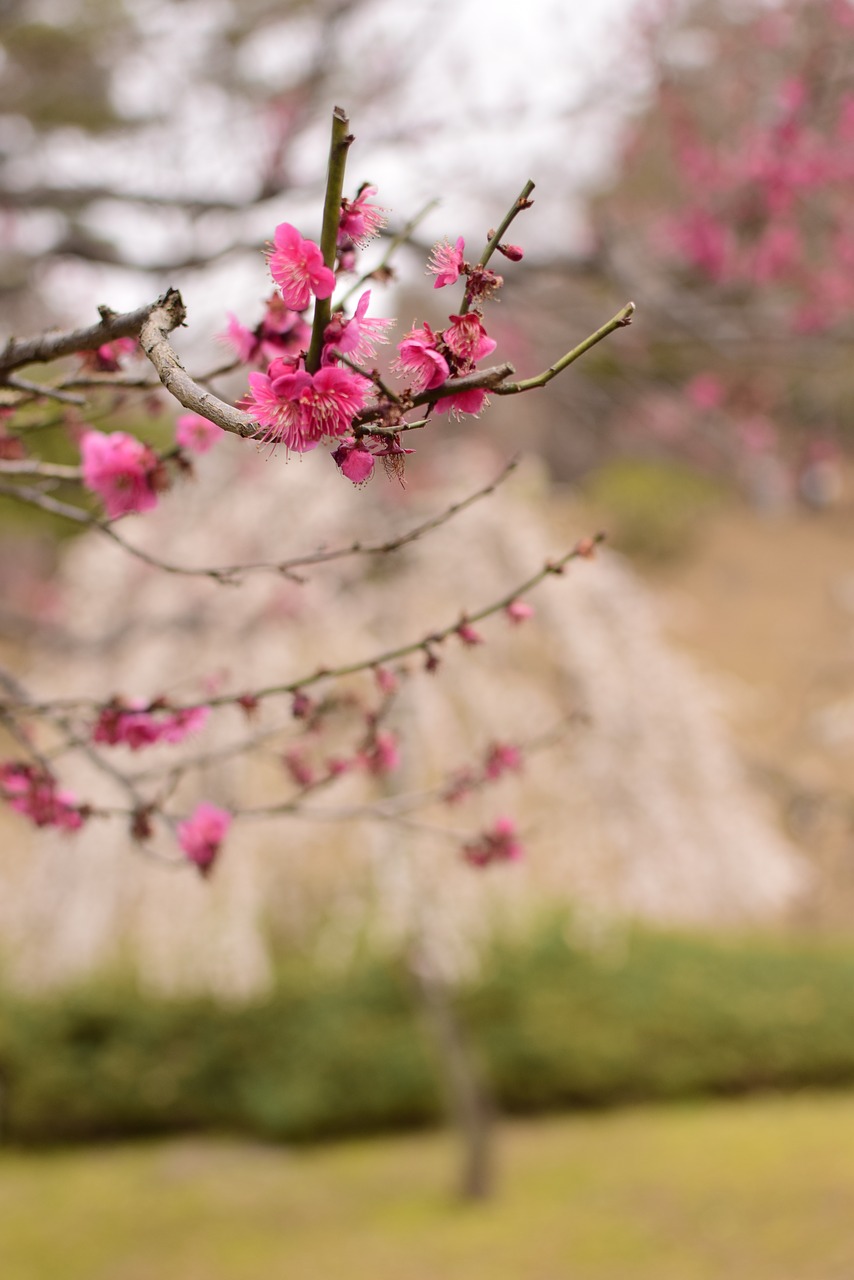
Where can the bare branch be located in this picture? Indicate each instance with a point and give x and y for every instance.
(159, 321)
(54, 346)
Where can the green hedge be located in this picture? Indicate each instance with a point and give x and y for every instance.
(652, 1016)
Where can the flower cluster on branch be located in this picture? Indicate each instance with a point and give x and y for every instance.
(310, 383)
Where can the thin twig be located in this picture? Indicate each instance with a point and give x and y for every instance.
(619, 321)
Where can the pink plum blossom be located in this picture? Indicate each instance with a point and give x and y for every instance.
(196, 433)
(420, 361)
(467, 339)
(472, 401)
(201, 835)
(357, 337)
(360, 221)
(297, 409)
(298, 268)
(244, 342)
(282, 332)
(355, 462)
(121, 470)
(446, 263)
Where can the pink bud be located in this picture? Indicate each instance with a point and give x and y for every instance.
(468, 635)
(518, 611)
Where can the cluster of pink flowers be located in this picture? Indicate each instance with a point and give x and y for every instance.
(295, 406)
(499, 844)
(336, 399)
(125, 473)
(427, 359)
(33, 792)
(201, 835)
(299, 409)
(140, 725)
(767, 201)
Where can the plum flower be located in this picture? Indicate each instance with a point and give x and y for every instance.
(121, 470)
(196, 433)
(201, 835)
(282, 332)
(355, 462)
(297, 409)
(471, 401)
(467, 339)
(420, 361)
(298, 268)
(280, 419)
(244, 342)
(357, 337)
(446, 263)
(360, 221)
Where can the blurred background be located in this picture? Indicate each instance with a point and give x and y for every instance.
(681, 927)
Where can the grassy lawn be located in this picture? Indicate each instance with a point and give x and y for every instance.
(754, 1190)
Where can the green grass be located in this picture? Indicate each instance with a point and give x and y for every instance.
(749, 1190)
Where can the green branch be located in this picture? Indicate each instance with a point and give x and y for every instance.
(619, 321)
(338, 148)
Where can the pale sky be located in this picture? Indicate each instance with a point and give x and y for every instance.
(494, 96)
